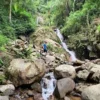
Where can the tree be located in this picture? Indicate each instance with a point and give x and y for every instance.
(10, 11)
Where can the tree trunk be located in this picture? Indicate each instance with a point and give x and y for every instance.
(74, 5)
(10, 9)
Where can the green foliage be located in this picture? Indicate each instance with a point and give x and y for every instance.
(98, 28)
(50, 47)
(79, 18)
(22, 17)
(3, 42)
(54, 49)
(2, 79)
(38, 55)
(1, 63)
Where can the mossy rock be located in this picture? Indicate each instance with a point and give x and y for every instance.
(41, 34)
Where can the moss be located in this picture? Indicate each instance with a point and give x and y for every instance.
(2, 79)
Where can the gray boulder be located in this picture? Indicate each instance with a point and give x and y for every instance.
(64, 71)
(25, 72)
(91, 93)
(4, 97)
(7, 89)
(83, 74)
(64, 86)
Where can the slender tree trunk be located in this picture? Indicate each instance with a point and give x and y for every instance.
(74, 5)
(10, 9)
(87, 19)
(67, 8)
(88, 25)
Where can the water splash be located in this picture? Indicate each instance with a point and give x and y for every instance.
(48, 84)
(72, 54)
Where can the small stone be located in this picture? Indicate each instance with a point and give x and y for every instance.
(30, 93)
(66, 98)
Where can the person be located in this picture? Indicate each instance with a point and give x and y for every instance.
(44, 46)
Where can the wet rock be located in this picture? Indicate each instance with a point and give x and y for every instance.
(83, 74)
(64, 86)
(7, 89)
(36, 87)
(4, 97)
(25, 72)
(91, 93)
(64, 70)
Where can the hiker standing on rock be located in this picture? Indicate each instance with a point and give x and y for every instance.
(44, 45)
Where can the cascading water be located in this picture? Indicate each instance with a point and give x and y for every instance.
(72, 54)
(48, 84)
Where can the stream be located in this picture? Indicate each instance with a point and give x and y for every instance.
(48, 82)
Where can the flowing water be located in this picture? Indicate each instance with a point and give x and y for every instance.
(72, 54)
(48, 84)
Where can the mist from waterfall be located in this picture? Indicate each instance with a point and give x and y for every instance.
(72, 54)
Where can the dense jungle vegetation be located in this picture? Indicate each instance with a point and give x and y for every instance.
(78, 20)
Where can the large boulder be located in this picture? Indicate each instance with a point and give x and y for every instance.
(43, 33)
(91, 93)
(90, 71)
(64, 86)
(7, 89)
(65, 70)
(83, 75)
(95, 68)
(4, 97)
(25, 72)
(81, 86)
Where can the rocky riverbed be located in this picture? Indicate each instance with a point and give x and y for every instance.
(26, 65)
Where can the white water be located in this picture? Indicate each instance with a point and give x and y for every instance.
(72, 54)
(48, 85)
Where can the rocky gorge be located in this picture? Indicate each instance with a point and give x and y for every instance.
(27, 64)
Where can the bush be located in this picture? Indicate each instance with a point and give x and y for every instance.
(3, 42)
(2, 79)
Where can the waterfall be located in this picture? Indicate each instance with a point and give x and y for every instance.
(48, 84)
(72, 54)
